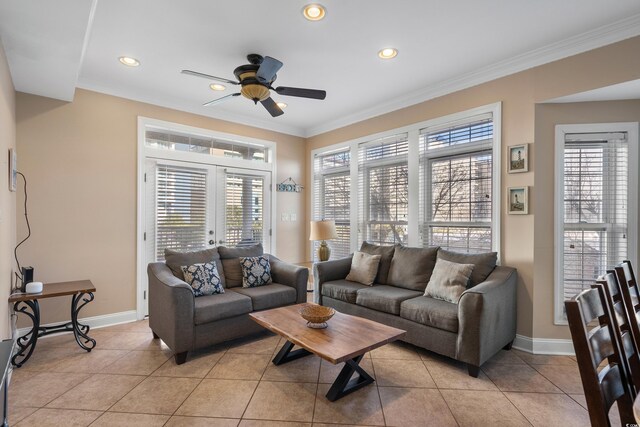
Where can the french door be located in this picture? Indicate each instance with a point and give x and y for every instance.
(191, 206)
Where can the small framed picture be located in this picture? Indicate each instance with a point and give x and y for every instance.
(518, 158)
(13, 169)
(518, 200)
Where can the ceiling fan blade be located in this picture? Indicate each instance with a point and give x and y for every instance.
(272, 107)
(300, 92)
(208, 77)
(268, 69)
(216, 101)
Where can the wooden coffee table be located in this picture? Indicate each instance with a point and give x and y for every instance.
(346, 339)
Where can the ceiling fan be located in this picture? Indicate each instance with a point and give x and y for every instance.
(255, 80)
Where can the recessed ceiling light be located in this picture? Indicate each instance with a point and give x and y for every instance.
(282, 105)
(314, 12)
(388, 53)
(128, 61)
(217, 86)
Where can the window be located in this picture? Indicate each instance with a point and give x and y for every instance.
(243, 209)
(384, 190)
(332, 198)
(456, 185)
(594, 207)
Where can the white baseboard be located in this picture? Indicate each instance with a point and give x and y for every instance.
(97, 321)
(544, 345)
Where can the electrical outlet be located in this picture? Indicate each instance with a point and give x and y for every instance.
(294, 217)
(285, 217)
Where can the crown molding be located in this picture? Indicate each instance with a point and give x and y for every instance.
(188, 108)
(593, 39)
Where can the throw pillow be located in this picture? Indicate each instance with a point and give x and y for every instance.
(411, 267)
(231, 262)
(484, 263)
(363, 268)
(448, 280)
(176, 259)
(203, 278)
(386, 253)
(256, 271)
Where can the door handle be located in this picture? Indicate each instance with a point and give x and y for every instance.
(212, 242)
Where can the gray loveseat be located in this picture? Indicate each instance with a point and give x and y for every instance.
(187, 323)
(472, 331)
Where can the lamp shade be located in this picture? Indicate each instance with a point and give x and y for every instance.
(323, 230)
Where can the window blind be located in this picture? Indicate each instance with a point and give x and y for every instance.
(456, 185)
(332, 198)
(181, 201)
(243, 209)
(594, 208)
(383, 190)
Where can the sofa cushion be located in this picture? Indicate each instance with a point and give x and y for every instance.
(431, 312)
(384, 298)
(231, 262)
(411, 268)
(176, 259)
(221, 306)
(364, 268)
(256, 271)
(448, 280)
(203, 278)
(483, 264)
(386, 254)
(342, 290)
(269, 296)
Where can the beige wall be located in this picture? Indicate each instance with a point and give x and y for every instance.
(519, 94)
(547, 117)
(7, 198)
(80, 161)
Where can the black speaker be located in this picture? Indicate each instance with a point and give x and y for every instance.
(27, 277)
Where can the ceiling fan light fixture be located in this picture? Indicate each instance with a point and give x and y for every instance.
(255, 92)
(388, 53)
(314, 12)
(217, 86)
(129, 61)
(282, 105)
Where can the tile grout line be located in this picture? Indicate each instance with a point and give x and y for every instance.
(440, 392)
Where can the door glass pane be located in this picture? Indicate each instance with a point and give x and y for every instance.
(181, 209)
(244, 219)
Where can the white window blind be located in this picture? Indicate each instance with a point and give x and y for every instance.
(383, 190)
(456, 185)
(243, 209)
(181, 208)
(332, 198)
(595, 207)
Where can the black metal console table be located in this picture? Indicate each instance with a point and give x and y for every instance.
(81, 292)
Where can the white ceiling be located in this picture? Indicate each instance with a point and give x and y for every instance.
(443, 46)
(621, 91)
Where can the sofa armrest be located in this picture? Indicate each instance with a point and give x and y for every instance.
(291, 275)
(327, 271)
(171, 308)
(487, 317)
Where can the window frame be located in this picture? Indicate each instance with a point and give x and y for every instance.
(631, 129)
(413, 131)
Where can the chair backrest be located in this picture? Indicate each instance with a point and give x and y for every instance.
(622, 327)
(630, 295)
(592, 347)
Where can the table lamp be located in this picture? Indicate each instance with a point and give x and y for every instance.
(323, 230)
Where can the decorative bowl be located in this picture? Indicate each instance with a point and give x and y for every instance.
(316, 315)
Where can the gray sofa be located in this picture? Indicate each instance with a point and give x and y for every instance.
(472, 331)
(187, 323)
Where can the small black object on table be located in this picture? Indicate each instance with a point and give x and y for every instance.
(81, 292)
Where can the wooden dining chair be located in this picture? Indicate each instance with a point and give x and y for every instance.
(622, 327)
(630, 295)
(593, 346)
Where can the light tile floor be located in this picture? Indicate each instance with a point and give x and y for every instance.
(132, 380)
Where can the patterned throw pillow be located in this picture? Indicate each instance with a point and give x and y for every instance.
(256, 271)
(203, 278)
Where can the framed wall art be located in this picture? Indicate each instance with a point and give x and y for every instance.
(518, 199)
(518, 158)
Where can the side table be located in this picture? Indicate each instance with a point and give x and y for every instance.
(81, 292)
